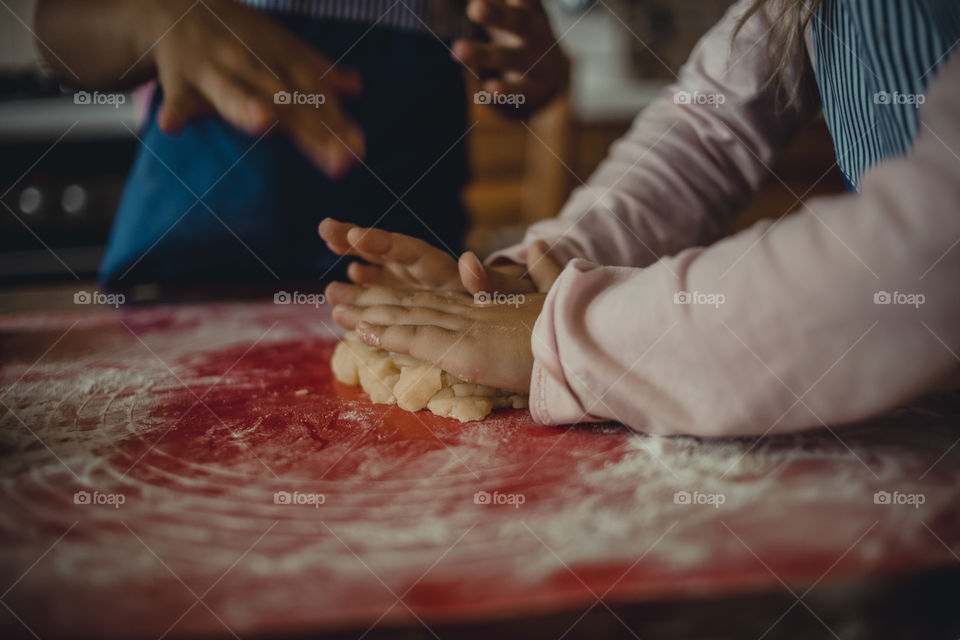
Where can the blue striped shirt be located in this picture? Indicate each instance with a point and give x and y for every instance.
(873, 61)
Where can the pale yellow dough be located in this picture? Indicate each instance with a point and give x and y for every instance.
(396, 378)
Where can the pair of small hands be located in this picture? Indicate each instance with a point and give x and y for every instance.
(221, 57)
(472, 321)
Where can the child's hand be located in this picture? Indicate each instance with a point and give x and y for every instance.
(538, 275)
(397, 260)
(522, 53)
(483, 343)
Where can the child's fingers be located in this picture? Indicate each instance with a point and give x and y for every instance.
(476, 278)
(542, 268)
(425, 342)
(425, 264)
(385, 314)
(360, 273)
(473, 275)
(413, 262)
(389, 247)
(342, 293)
(334, 233)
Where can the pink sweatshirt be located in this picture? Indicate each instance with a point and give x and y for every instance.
(786, 326)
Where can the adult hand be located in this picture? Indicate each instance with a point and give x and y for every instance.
(219, 56)
(522, 56)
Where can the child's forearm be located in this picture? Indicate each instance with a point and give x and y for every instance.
(835, 314)
(689, 162)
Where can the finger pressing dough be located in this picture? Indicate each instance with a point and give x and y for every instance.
(396, 378)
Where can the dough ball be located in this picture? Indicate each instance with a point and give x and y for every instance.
(519, 401)
(344, 365)
(463, 389)
(464, 409)
(449, 380)
(378, 377)
(417, 385)
(396, 378)
(402, 360)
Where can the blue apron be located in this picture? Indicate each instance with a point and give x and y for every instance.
(267, 199)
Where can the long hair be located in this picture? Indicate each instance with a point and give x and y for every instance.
(789, 19)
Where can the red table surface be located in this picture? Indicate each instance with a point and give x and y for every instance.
(190, 416)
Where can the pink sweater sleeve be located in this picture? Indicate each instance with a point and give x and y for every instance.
(840, 311)
(684, 168)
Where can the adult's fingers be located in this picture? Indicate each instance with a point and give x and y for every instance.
(180, 105)
(324, 135)
(236, 102)
(520, 91)
(273, 59)
(481, 56)
(260, 72)
(311, 69)
(516, 18)
(304, 65)
(311, 116)
(347, 82)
